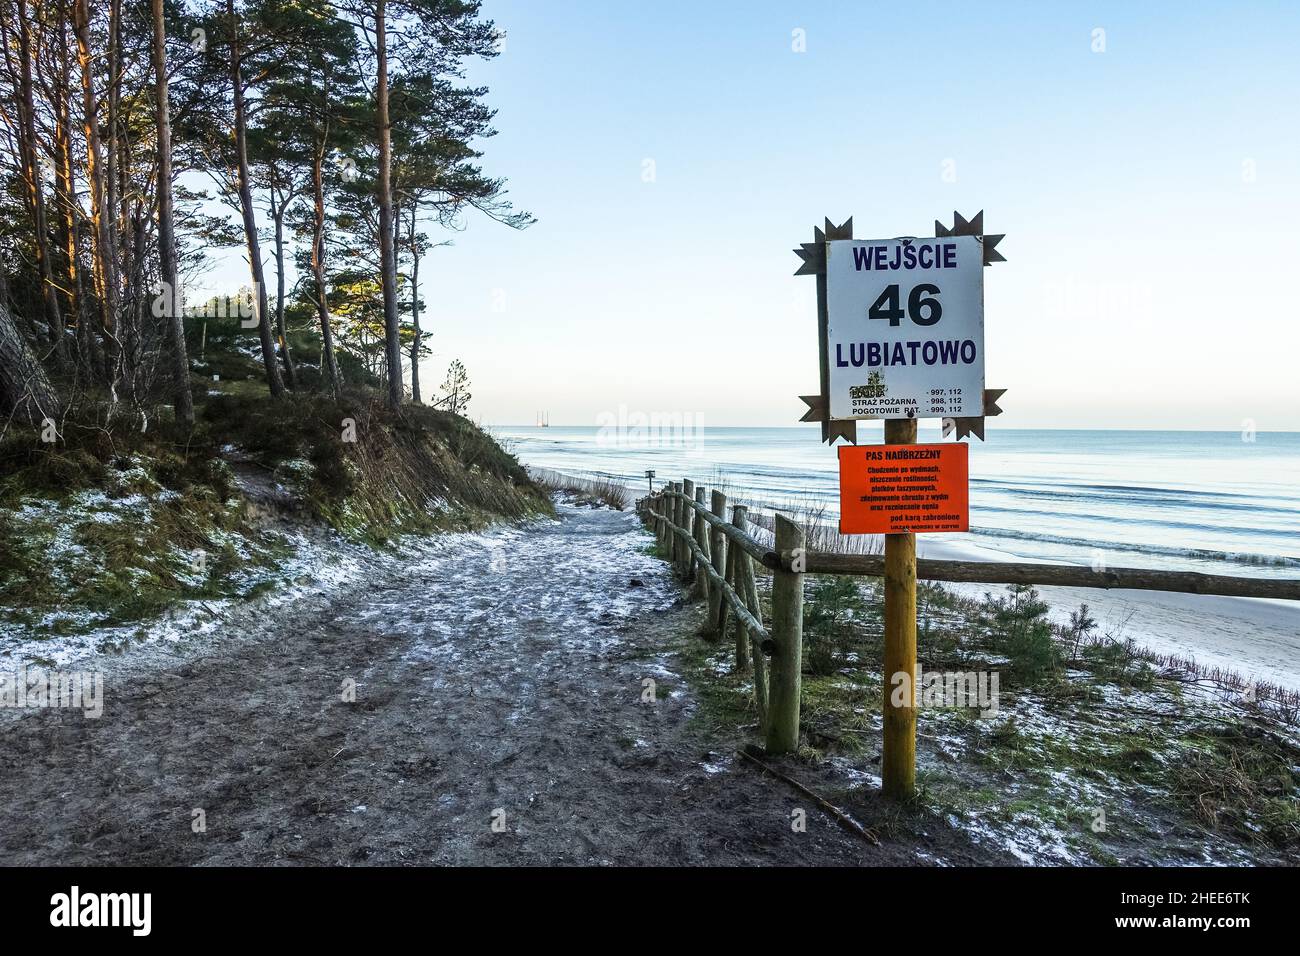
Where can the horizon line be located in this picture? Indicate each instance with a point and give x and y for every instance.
(1005, 428)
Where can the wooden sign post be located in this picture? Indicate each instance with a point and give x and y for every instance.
(898, 753)
(924, 359)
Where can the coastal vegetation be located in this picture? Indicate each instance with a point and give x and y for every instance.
(584, 491)
(110, 525)
(1096, 751)
(151, 443)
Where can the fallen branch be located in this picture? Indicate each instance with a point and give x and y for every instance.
(213, 611)
(843, 818)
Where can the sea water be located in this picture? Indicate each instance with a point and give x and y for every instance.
(1216, 502)
(1221, 502)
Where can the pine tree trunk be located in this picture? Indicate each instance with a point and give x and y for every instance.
(174, 311)
(25, 391)
(35, 188)
(113, 187)
(273, 379)
(329, 363)
(387, 252)
(105, 274)
(69, 225)
(290, 372)
(415, 313)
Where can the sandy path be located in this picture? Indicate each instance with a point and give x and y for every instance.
(496, 677)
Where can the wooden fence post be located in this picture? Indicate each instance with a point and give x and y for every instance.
(787, 634)
(661, 506)
(898, 759)
(665, 537)
(675, 516)
(730, 575)
(663, 512)
(718, 553)
(742, 573)
(688, 559)
(700, 532)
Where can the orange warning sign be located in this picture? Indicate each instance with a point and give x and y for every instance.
(894, 488)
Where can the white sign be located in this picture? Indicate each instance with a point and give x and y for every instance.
(906, 327)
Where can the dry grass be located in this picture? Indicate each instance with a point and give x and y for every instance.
(597, 489)
(1279, 701)
(820, 534)
(417, 470)
(1241, 778)
(391, 473)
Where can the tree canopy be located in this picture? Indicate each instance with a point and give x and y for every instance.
(336, 144)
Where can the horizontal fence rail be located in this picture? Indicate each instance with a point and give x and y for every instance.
(718, 556)
(1063, 575)
(737, 605)
(1014, 572)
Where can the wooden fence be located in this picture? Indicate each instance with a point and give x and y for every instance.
(718, 556)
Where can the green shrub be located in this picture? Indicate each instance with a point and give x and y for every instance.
(1119, 662)
(833, 612)
(1019, 628)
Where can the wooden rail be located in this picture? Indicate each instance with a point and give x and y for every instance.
(717, 556)
(706, 548)
(1062, 575)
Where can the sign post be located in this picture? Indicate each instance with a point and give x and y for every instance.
(898, 751)
(901, 337)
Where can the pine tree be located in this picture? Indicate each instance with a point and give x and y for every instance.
(338, 135)
(312, 107)
(434, 36)
(456, 387)
(434, 124)
(170, 280)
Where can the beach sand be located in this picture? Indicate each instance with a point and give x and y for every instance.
(1258, 638)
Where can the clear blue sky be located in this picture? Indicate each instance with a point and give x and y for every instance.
(1150, 195)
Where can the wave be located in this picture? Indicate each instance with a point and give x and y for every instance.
(1142, 519)
(1208, 501)
(1146, 490)
(1201, 554)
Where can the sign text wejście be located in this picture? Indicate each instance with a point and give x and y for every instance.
(905, 332)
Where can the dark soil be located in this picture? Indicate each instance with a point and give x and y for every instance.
(502, 680)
